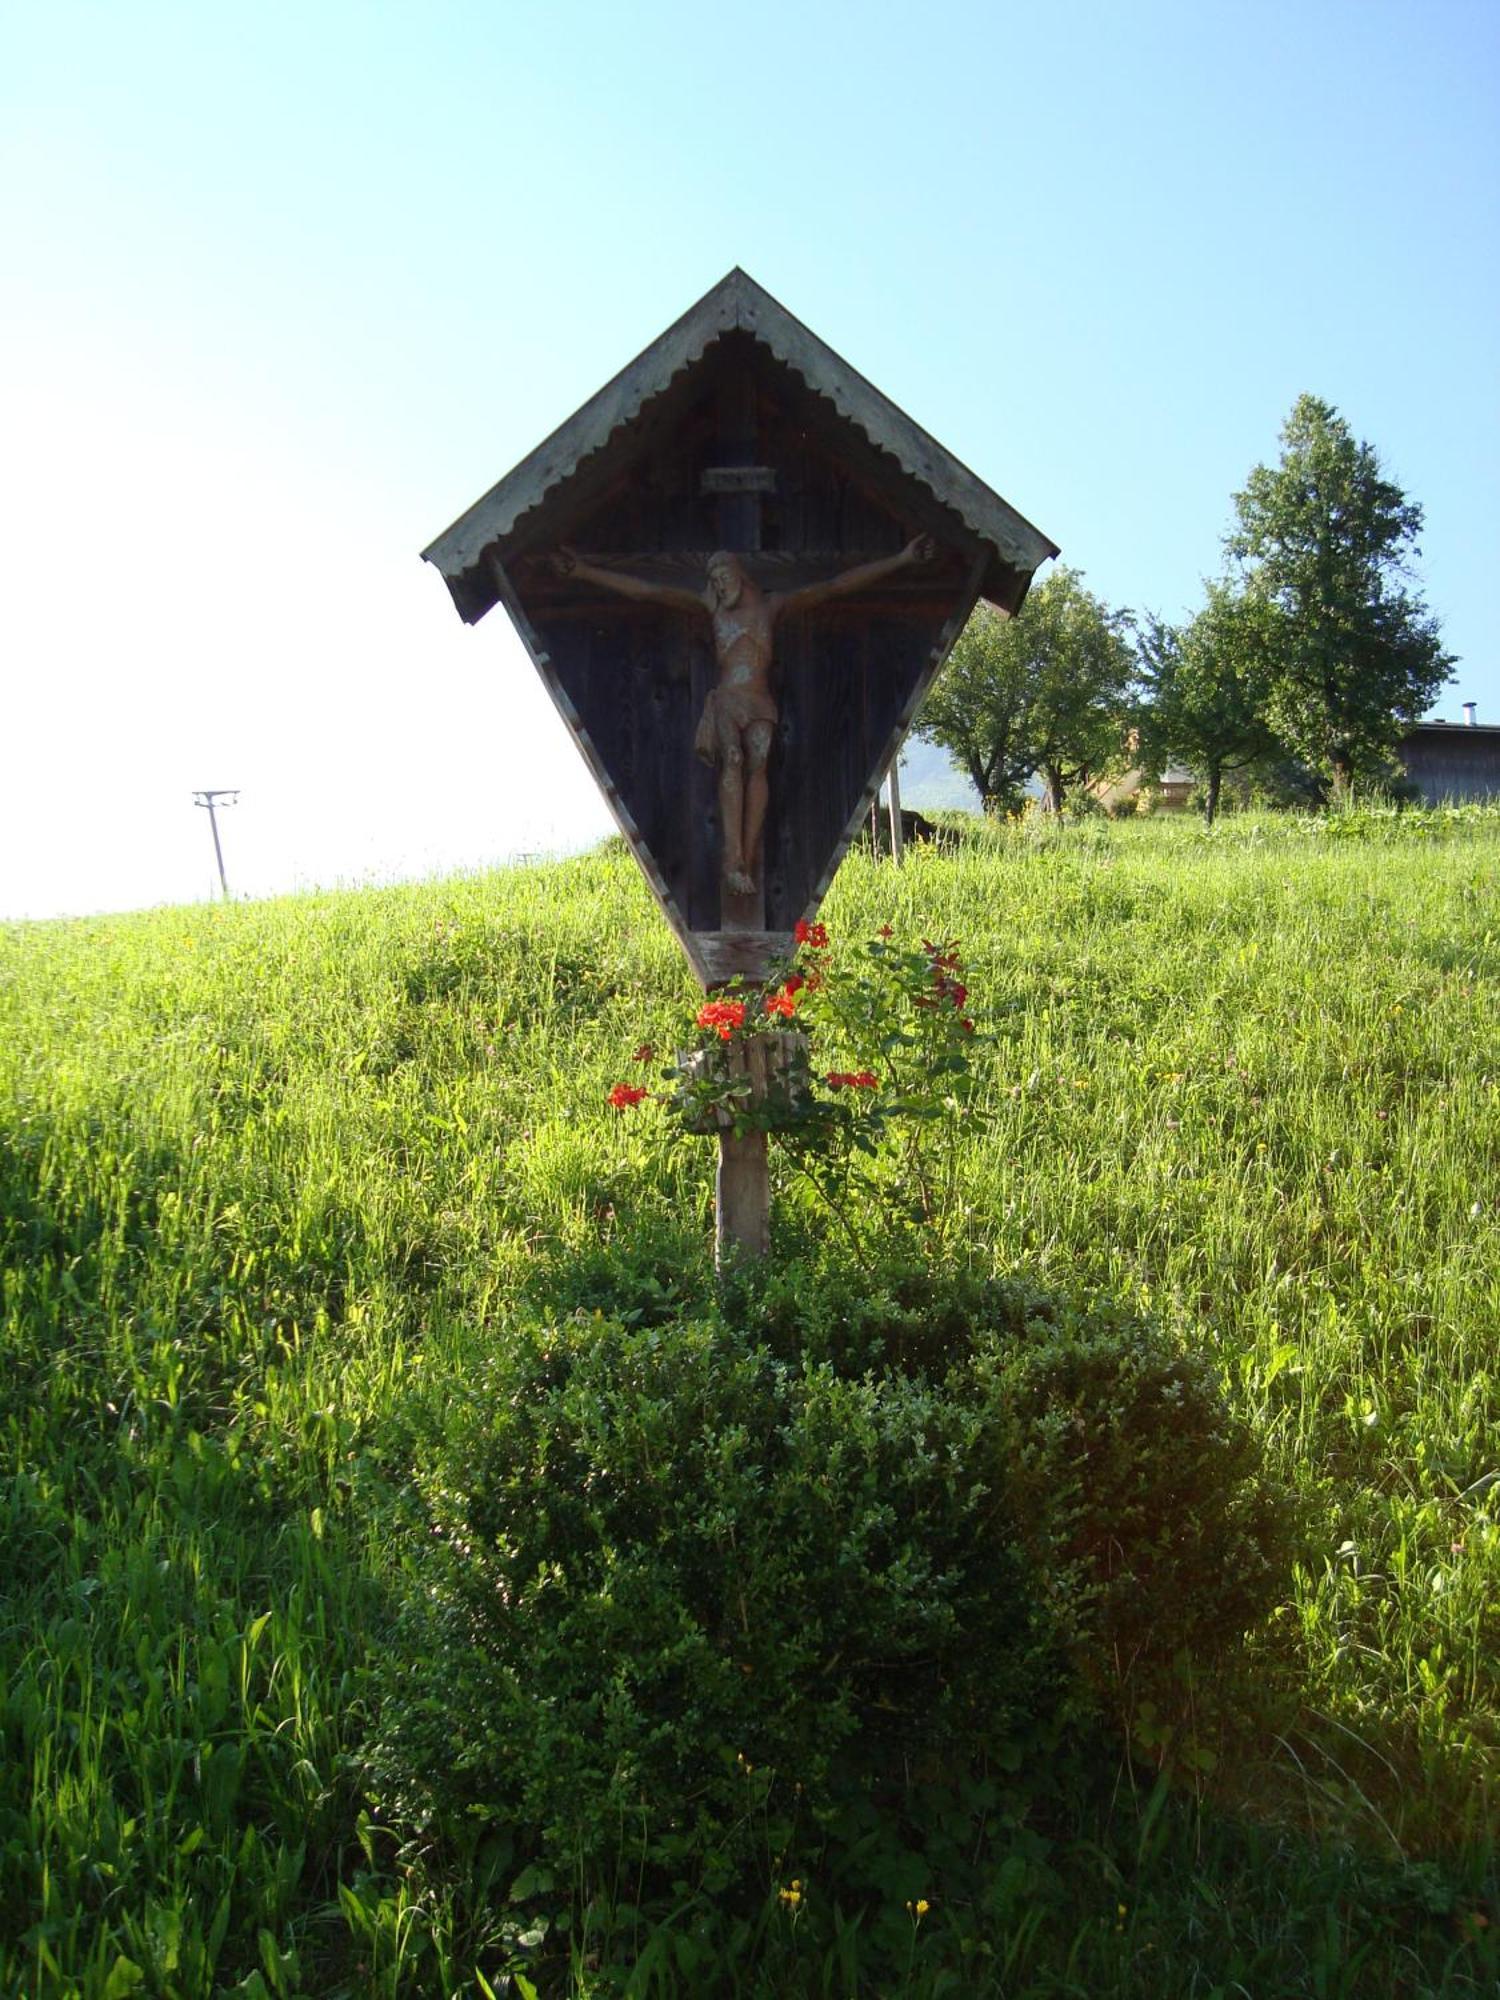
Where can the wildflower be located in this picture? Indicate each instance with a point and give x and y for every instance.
(644, 1053)
(815, 935)
(625, 1094)
(967, 1026)
(885, 931)
(918, 1909)
(724, 1015)
(791, 1897)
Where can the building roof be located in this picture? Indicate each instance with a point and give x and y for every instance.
(737, 304)
(1437, 728)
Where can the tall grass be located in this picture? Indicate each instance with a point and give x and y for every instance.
(270, 1174)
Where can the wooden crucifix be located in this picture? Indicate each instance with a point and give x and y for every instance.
(738, 724)
(777, 562)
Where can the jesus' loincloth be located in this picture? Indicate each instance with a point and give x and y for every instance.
(738, 706)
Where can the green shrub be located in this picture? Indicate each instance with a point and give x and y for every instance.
(1137, 1493)
(700, 1596)
(662, 1556)
(1140, 1498)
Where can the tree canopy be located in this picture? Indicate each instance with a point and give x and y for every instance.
(980, 708)
(1048, 691)
(1205, 686)
(1325, 544)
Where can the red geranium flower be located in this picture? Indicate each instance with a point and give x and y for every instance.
(724, 1015)
(625, 1094)
(815, 935)
(781, 1003)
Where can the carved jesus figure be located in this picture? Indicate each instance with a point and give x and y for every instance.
(739, 717)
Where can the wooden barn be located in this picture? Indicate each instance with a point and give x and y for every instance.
(1450, 762)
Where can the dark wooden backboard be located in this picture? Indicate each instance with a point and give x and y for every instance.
(749, 459)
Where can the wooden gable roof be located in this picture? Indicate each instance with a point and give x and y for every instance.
(517, 507)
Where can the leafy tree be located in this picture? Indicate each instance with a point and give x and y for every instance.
(1085, 683)
(1046, 691)
(1206, 686)
(1325, 542)
(980, 708)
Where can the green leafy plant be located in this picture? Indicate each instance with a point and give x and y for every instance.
(711, 1608)
(876, 1139)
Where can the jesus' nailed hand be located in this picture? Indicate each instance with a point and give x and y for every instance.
(739, 717)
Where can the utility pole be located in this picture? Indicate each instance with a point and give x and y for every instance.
(212, 801)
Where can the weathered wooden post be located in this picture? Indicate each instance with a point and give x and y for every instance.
(737, 568)
(895, 802)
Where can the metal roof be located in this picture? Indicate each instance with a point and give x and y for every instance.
(737, 303)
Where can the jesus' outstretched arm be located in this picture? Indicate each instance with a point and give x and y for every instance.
(851, 581)
(568, 562)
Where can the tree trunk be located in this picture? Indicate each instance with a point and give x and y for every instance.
(1053, 779)
(1211, 803)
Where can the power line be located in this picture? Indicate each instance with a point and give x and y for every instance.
(211, 801)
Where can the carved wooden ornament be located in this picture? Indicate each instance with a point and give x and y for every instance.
(738, 734)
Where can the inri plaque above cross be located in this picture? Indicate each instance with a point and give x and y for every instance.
(737, 569)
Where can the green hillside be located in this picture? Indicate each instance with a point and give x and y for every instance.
(276, 1179)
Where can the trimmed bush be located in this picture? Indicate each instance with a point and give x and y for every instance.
(698, 1599)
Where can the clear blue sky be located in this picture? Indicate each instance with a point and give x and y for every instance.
(287, 287)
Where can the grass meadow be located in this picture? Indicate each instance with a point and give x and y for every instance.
(274, 1176)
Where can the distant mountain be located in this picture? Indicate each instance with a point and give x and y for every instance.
(931, 781)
